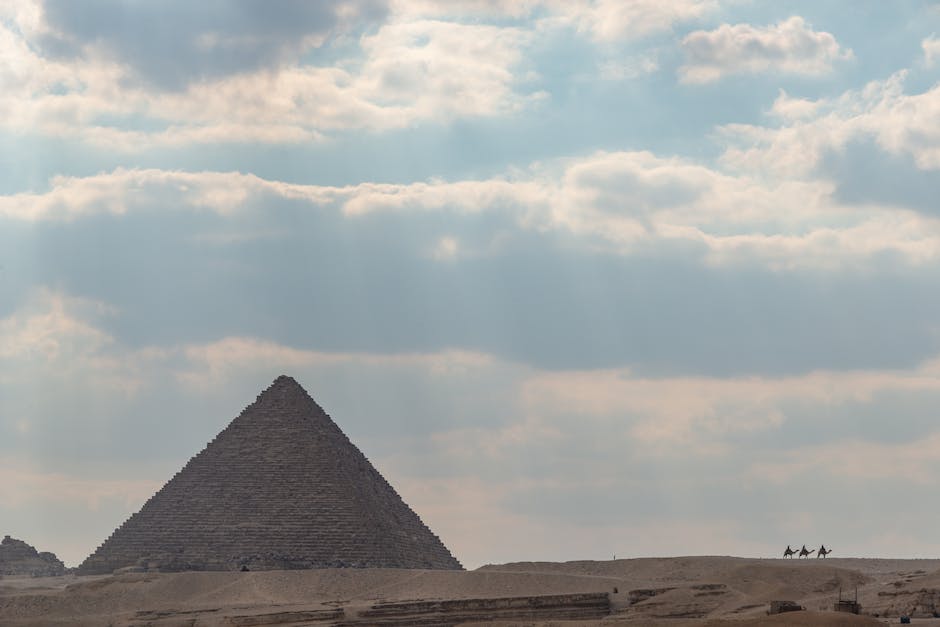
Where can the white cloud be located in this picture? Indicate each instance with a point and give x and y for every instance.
(603, 21)
(931, 48)
(45, 328)
(447, 249)
(635, 201)
(622, 202)
(50, 340)
(125, 190)
(405, 72)
(415, 9)
(790, 47)
(445, 69)
(788, 108)
(458, 197)
(415, 66)
(423, 70)
(616, 20)
(900, 123)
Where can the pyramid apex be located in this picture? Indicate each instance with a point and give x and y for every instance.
(283, 387)
(285, 382)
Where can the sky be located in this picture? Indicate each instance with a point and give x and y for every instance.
(582, 278)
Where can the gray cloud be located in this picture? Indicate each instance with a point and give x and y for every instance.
(866, 174)
(333, 283)
(171, 44)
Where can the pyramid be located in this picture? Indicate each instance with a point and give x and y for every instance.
(280, 488)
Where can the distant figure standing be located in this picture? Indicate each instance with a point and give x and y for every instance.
(805, 553)
(789, 553)
(822, 551)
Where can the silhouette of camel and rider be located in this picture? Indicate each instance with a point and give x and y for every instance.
(822, 552)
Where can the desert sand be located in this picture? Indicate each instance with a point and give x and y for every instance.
(679, 591)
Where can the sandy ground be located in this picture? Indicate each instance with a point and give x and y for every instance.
(714, 591)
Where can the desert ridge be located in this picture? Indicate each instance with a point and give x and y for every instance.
(676, 591)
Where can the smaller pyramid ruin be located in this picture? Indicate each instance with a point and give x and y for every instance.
(280, 488)
(19, 558)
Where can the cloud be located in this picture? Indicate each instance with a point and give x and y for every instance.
(683, 415)
(858, 461)
(423, 70)
(62, 342)
(411, 9)
(689, 267)
(447, 249)
(789, 47)
(899, 123)
(437, 67)
(622, 202)
(603, 21)
(788, 108)
(616, 20)
(113, 193)
(50, 341)
(397, 74)
(931, 48)
(177, 43)
(61, 336)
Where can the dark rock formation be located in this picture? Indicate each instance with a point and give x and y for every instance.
(19, 558)
(280, 488)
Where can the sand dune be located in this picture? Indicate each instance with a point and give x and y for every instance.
(655, 591)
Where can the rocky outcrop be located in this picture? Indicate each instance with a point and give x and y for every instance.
(19, 558)
(590, 606)
(280, 488)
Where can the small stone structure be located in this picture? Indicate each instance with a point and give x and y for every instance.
(780, 607)
(849, 606)
(280, 488)
(19, 558)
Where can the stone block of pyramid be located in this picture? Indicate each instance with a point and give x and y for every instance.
(280, 488)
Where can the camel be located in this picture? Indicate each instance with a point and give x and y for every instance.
(805, 553)
(822, 552)
(789, 552)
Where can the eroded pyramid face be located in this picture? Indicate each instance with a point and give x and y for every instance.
(280, 488)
